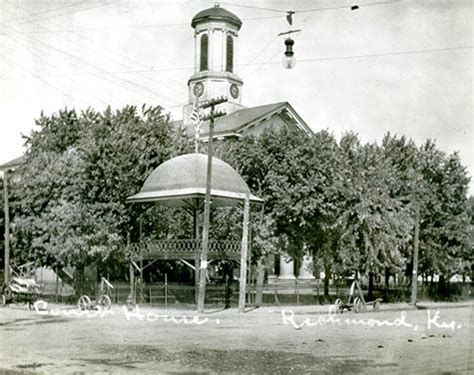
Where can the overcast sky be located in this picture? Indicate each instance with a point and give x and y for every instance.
(403, 67)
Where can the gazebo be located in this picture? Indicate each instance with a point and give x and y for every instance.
(181, 182)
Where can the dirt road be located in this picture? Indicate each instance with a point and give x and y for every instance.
(273, 340)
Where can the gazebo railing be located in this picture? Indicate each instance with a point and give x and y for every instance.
(184, 249)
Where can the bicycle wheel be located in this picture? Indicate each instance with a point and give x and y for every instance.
(84, 303)
(104, 301)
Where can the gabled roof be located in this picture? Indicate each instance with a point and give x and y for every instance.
(237, 122)
(13, 163)
(238, 119)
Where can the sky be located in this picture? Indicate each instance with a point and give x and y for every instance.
(398, 66)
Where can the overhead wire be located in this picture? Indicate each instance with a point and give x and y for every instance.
(140, 71)
(253, 7)
(317, 59)
(260, 53)
(301, 11)
(383, 54)
(400, 53)
(180, 91)
(262, 65)
(187, 23)
(86, 63)
(148, 26)
(116, 54)
(271, 62)
(45, 11)
(73, 11)
(82, 64)
(295, 11)
(114, 72)
(360, 5)
(46, 83)
(39, 77)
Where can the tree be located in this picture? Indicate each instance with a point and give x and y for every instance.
(263, 163)
(352, 205)
(411, 189)
(298, 178)
(374, 224)
(436, 185)
(70, 196)
(444, 238)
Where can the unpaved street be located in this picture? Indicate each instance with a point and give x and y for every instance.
(261, 341)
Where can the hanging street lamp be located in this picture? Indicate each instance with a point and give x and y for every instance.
(289, 60)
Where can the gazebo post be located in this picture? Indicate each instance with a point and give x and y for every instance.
(243, 255)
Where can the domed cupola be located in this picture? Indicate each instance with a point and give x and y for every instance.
(216, 14)
(215, 35)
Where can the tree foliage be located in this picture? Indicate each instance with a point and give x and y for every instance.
(350, 205)
(70, 196)
(353, 205)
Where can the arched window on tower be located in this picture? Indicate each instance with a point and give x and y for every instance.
(204, 53)
(230, 54)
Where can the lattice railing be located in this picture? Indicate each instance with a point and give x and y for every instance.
(190, 249)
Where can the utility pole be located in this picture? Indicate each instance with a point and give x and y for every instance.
(207, 202)
(244, 255)
(414, 276)
(7, 227)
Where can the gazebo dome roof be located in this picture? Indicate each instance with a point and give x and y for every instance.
(216, 13)
(183, 178)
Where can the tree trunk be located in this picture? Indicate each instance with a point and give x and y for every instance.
(79, 279)
(370, 294)
(327, 271)
(387, 278)
(443, 288)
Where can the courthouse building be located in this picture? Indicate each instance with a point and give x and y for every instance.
(216, 32)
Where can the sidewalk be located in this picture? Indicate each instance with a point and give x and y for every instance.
(263, 310)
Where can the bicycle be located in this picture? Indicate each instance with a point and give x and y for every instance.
(103, 300)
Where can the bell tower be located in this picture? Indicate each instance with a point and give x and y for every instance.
(215, 48)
